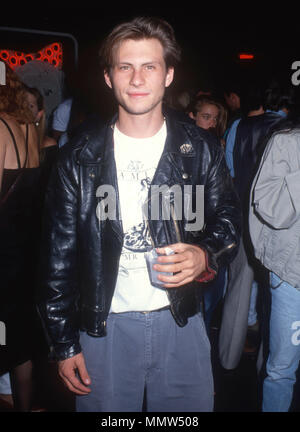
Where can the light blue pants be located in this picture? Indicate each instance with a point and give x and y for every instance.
(5, 387)
(148, 352)
(284, 356)
(252, 315)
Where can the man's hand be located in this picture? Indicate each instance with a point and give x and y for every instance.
(188, 263)
(67, 371)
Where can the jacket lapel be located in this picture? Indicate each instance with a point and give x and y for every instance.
(172, 166)
(109, 177)
(99, 152)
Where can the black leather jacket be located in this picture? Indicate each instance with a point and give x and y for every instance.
(250, 142)
(80, 255)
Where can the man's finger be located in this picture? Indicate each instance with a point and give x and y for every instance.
(169, 268)
(179, 284)
(75, 385)
(176, 247)
(68, 384)
(178, 278)
(178, 257)
(82, 371)
(67, 371)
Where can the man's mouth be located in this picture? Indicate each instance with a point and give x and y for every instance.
(138, 94)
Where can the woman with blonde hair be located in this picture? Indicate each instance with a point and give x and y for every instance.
(209, 113)
(19, 177)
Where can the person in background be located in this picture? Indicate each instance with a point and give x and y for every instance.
(74, 109)
(97, 299)
(210, 114)
(274, 223)
(19, 179)
(46, 144)
(61, 118)
(68, 118)
(36, 106)
(232, 91)
(245, 143)
(48, 147)
(6, 399)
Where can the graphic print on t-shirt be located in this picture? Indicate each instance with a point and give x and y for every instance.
(135, 180)
(136, 162)
(137, 238)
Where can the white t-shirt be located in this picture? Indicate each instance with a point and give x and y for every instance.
(136, 162)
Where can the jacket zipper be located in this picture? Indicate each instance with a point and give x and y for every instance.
(177, 231)
(178, 238)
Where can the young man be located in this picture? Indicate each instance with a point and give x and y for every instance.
(123, 341)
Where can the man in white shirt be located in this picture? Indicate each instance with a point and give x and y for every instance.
(152, 350)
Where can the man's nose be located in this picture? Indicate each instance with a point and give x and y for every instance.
(137, 77)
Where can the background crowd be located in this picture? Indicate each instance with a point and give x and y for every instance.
(257, 123)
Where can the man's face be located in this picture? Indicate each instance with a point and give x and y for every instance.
(139, 76)
(232, 101)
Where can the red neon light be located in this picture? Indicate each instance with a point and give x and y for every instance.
(4, 54)
(246, 56)
(52, 54)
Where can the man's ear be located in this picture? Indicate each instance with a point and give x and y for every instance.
(169, 76)
(107, 79)
(191, 115)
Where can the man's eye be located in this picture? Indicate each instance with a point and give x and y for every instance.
(124, 67)
(150, 67)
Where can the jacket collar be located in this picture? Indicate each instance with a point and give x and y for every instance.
(98, 146)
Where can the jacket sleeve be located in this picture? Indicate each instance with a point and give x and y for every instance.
(222, 212)
(57, 294)
(276, 196)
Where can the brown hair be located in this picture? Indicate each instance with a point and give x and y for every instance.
(13, 100)
(137, 29)
(41, 124)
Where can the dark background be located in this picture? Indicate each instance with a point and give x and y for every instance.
(211, 37)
